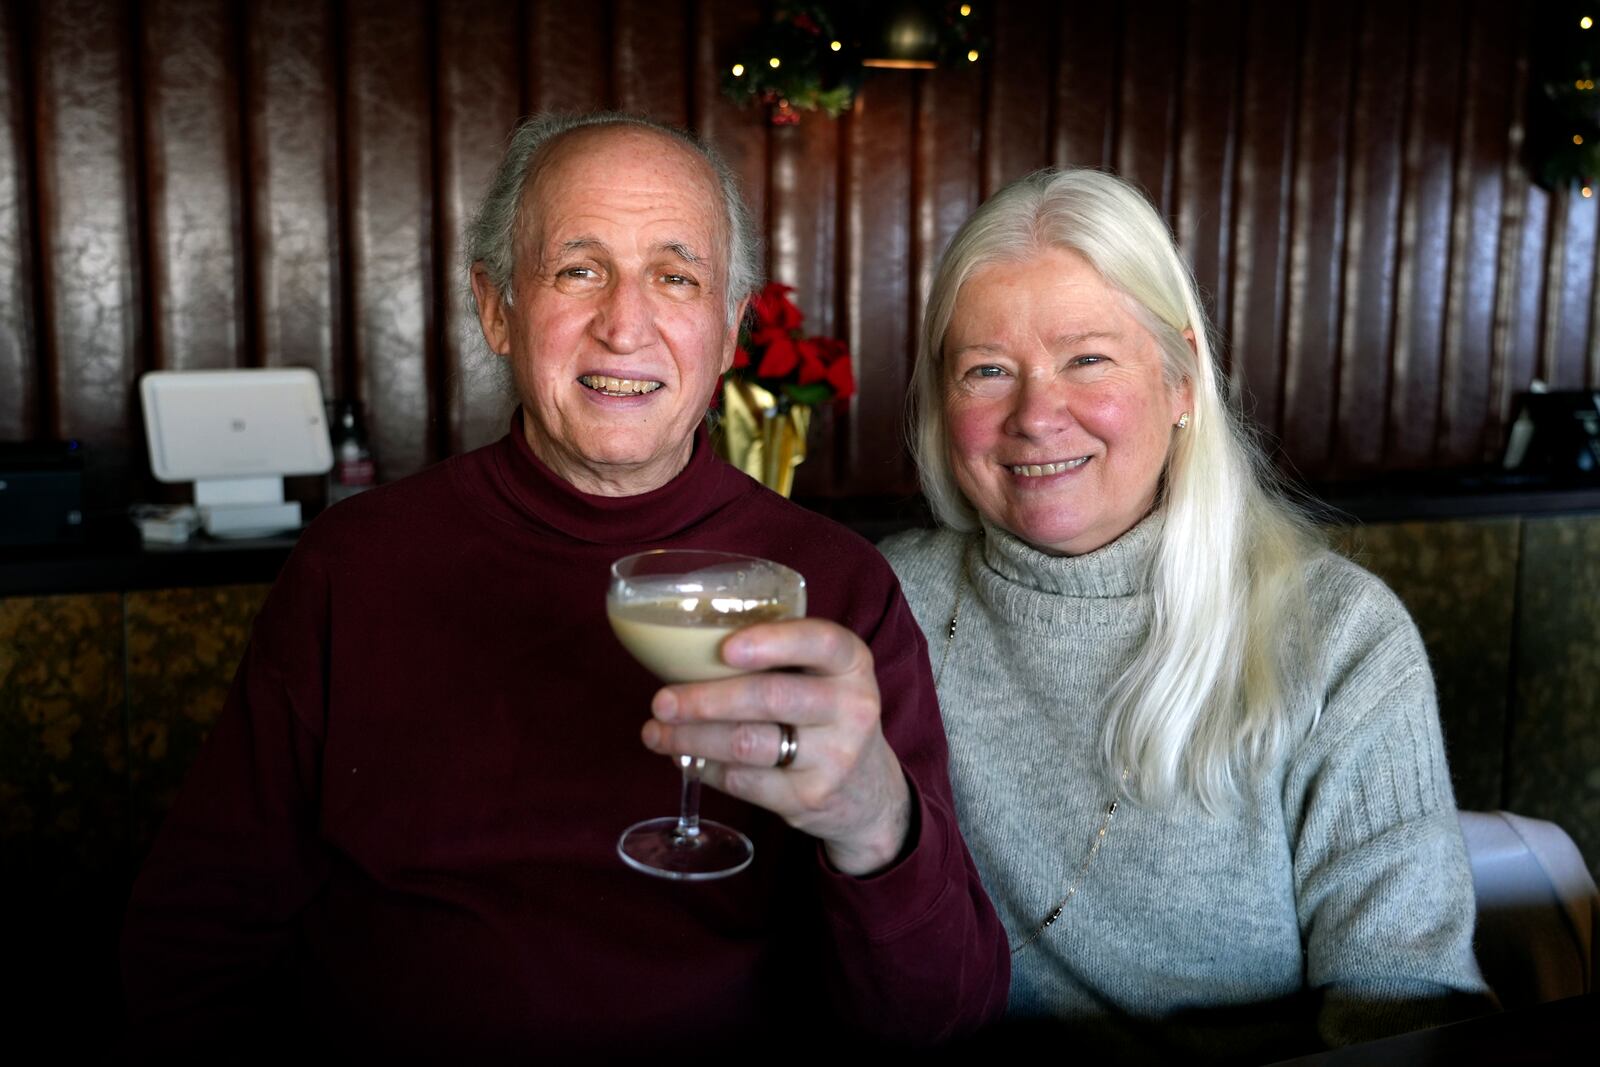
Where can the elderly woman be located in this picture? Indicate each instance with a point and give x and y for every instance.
(1197, 758)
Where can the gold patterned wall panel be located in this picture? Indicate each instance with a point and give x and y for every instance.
(63, 815)
(1553, 764)
(1458, 579)
(63, 786)
(183, 648)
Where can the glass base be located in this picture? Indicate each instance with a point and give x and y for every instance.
(655, 847)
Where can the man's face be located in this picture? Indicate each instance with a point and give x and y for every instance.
(618, 331)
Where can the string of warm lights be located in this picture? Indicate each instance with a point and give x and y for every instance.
(811, 56)
(1585, 23)
(1564, 108)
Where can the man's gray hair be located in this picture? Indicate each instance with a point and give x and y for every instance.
(492, 233)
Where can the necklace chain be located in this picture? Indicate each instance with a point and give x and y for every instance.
(950, 633)
(1105, 820)
(1072, 890)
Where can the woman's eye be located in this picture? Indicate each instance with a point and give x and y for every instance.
(984, 379)
(1088, 360)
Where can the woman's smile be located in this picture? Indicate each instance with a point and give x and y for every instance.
(1038, 470)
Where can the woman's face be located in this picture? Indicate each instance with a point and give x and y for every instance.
(1058, 414)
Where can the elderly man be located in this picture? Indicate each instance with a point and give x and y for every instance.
(405, 820)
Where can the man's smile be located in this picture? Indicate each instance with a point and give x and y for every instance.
(604, 383)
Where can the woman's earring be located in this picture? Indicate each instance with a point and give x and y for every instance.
(1183, 421)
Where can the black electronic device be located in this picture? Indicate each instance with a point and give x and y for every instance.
(41, 493)
(1556, 434)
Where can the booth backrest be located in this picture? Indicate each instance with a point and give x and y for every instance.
(1538, 909)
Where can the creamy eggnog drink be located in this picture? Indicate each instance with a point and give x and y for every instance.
(683, 644)
(672, 609)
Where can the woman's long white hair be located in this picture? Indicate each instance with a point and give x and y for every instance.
(1199, 710)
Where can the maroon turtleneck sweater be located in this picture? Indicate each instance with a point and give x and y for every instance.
(402, 830)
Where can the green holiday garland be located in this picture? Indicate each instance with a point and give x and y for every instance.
(1563, 99)
(808, 57)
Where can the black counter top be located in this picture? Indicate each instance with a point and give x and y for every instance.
(1469, 495)
(1400, 498)
(112, 558)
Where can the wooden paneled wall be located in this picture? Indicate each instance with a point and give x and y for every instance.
(204, 183)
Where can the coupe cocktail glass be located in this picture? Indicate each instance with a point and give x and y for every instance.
(672, 609)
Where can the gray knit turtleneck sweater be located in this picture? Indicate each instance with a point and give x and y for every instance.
(1342, 872)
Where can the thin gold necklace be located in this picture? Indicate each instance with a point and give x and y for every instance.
(1105, 821)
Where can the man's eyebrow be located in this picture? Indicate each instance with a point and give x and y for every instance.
(681, 250)
(588, 243)
(579, 244)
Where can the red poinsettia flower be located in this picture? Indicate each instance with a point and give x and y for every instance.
(774, 310)
(842, 377)
(781, 356)
(774, 354)
(831, 350)
(813, 364)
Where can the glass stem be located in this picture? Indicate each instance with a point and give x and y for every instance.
(688, 829)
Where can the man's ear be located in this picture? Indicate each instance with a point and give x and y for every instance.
(491, 311)
(731, 341)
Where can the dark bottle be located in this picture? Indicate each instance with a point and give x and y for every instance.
(353, 469)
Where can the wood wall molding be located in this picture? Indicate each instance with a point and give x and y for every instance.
(197, 183)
